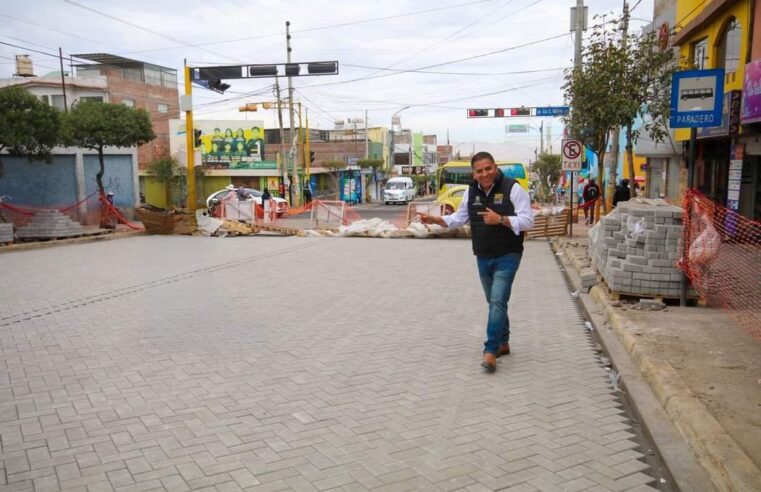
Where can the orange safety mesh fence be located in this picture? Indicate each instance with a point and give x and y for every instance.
(722, 258)
(112, 216)
(86, 211)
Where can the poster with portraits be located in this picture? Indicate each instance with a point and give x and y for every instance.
(225, 144)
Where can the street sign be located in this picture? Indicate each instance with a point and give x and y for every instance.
(697, 98)
(553, 111)
(516, 129)
(571, 155)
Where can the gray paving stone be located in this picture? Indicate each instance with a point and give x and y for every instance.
(145, 364)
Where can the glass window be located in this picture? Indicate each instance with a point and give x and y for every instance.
(130, 103)
(45, 99)
(57, 101)
(700, 54)
(162, 108)
(169, 79)
(152, 76)
(91, 98)
(728, 47)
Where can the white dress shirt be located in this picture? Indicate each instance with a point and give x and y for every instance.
(523, 220)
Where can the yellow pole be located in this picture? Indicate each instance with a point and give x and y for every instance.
(190, 144)
(309, 149)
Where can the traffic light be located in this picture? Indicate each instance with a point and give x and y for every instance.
(311, 156)
(197, 137)
(499, 113)
(520, 111)
(478, 113)
(248, 107)
(216, 84)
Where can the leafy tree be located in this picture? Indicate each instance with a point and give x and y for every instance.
(28, 126)
(547, 166)
(334, 165)
(167, 172)
(96, 125)
(619, 81)
(373, 163)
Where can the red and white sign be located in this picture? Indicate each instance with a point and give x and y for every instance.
(571, 155)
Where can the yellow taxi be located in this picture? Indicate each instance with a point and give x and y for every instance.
(451, 197)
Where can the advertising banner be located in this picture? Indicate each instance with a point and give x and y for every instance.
(751, 106)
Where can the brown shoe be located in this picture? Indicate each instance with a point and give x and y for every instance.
(504, 349)
(490, 362)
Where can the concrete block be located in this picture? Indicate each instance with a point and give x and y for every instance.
(637, 260)
(651, 304)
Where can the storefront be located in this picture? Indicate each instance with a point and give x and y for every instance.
(745, 179)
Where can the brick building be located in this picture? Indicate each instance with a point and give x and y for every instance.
(140, 85)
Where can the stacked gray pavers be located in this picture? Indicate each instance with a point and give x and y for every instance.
(50, 224)
(635, 248)
(6, 232)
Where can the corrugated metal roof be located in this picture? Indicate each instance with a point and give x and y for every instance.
(116, 60)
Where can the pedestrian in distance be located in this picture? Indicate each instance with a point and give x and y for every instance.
(590, 194)
(499, 212)
(622, 193)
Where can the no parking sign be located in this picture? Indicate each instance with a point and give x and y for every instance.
(571, 155)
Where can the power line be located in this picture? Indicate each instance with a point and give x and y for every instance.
(321, 28)
(444, 63)
(400, 70)
(136, 26)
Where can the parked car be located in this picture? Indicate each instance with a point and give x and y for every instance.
(451, 198)
(280, 204)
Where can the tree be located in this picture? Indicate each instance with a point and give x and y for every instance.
(28, 126)
(96, 125)
(597, 93)
(167, 172)
(547, 166)
(334, 165)
(372, 163)
(622, 78)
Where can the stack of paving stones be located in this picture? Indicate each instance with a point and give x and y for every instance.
(637, 246)
(50, 224)
(6, 233)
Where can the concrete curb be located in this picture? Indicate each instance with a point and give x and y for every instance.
(729, 468)
(66, 242)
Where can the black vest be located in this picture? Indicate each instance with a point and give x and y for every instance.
(491, 241)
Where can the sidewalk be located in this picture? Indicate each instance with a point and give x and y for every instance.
(704, 370)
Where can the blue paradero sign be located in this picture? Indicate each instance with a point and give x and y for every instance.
(697, 98)
(552, 111)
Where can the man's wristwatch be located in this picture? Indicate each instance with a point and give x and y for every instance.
(501, 220)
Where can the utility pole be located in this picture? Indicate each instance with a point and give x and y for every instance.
(294, 175)
(282, 136)
(63, 82)
(541, 138)
(578, 24)
(615, 146)
(367, 142)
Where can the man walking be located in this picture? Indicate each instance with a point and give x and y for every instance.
(499, 212)
(590, 194)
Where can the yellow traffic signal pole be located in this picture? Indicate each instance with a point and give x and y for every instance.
(308, 161)
(190, 143)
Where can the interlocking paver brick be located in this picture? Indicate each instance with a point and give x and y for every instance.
(147, 363)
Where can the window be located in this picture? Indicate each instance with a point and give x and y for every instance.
(91, 99)
(45, 99)
(130, 103)
(162, 108)
(57, 102)
(728, 47)
(699, 54)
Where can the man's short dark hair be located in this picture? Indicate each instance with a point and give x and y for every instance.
(480, 157)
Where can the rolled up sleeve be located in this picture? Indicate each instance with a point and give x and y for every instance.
(523, 220)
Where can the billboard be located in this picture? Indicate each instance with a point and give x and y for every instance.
(224, 144)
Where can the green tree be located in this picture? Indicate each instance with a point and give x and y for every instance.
(96, 125)
(371, 163)
(547, 167)
(28, 126)
(621, 79)
(167, 172)
(334, 165)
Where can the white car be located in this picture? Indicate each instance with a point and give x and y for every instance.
(280, 204)
(400, 189)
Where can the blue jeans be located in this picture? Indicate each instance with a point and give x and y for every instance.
(497, 275)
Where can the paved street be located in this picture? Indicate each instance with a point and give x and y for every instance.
(269, 363)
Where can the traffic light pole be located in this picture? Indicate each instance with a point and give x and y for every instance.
(294, 162)
(190, 153)
(283, 161)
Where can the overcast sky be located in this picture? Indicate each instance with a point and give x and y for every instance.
(372, 40)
